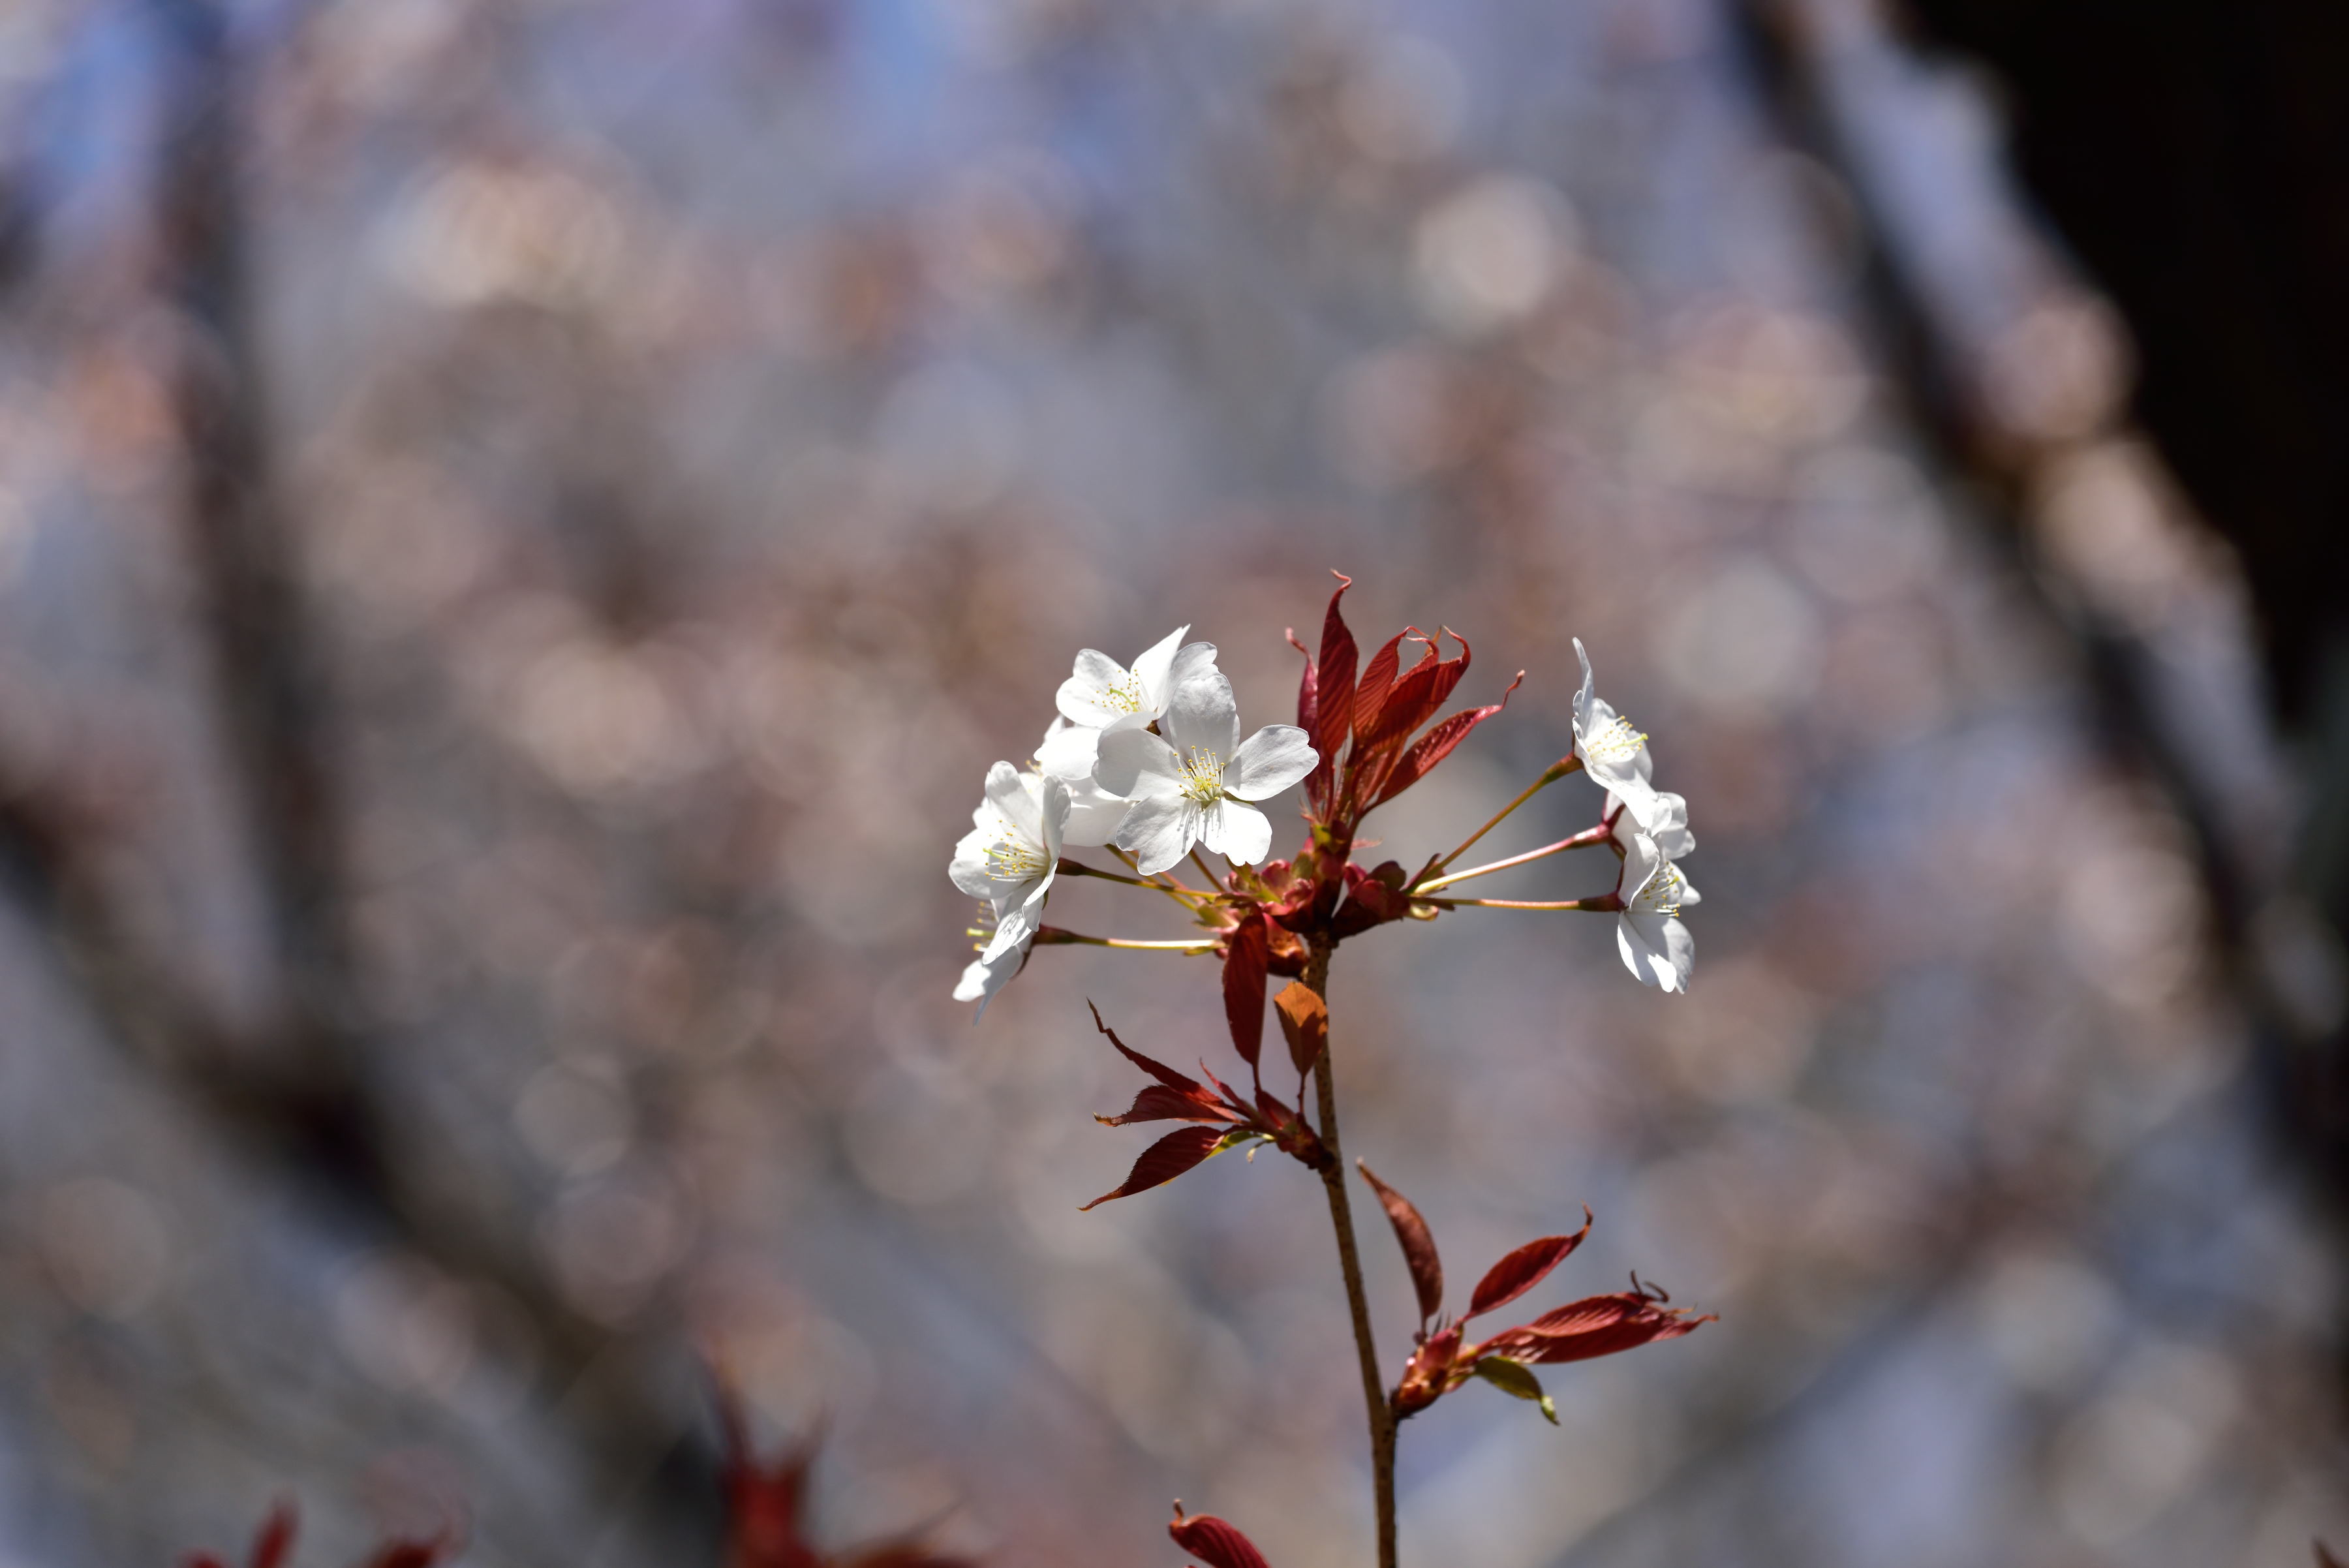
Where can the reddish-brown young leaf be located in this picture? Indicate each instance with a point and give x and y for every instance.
(1307, 697)
(274, 1545)
(1158, 1070)
(1378, 678)
(1437, 744)
(1164, 1160)
(1418, 1245)
(1213, 1542)
(1333, 683)
(1304, 1024)
(1157, 1103)
(1595, 1326)
(410, 1554)
(1407, 705)
(1245, 954)
(2324, 1558)
(1523, 1269)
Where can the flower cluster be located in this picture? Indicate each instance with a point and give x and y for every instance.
(1147, 759)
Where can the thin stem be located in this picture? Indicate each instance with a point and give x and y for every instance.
(1068, 868)
(1589, 835)
(1166, 879)
(1204, 869)
(1349, 1260)
(1054, 936)
(1603, 903)
(1551, 775)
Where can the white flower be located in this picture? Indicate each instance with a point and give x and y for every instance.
(1192, 786)
(1068, 754)
(1655, 945)
(1103, 694)
(1611, 751)
(1009, 854)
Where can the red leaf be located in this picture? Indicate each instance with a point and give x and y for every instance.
(276, 1541)
(1413, 698)
(1437, 744)
(1597, 1325)
(1164, 1160)
(1244, 957)
(1523, 1269)
(1333, 683)
(410, 1554)
(1158, 1070)
(1418, 1244)
(1157, 1103)
(1215, 1542)
(1305, 692)
(1304, 1023)
(1378, 678)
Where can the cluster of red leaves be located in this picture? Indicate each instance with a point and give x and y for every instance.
(274, 1547)
(766, 1505)
(1442, 1360)
(1213, 1542)
(1226, 1118)
(1366, 723)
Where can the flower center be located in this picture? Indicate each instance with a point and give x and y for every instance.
(1662, 895)
(1125, 695)
(1202, 776)
(1011, 859)
(1613, 742)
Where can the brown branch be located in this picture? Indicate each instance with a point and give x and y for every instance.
(1349, 1260)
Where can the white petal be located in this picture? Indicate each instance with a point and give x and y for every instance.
(1009, 794)
(1238, 832)
(1158, 831)
(1268, 761)
(1094, 815)
(1069, 751)
(968, 868)
(1203, 716)
(1137, 765)
(1582, 698)
(985, 977)
(1153, 667)
(1641, 861)
(1052, 804)
(1657, 948)
(1622, 780)
(1016, 923)
(1669, 824)
(1084, 696)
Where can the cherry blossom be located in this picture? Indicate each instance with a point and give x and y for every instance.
(1193, 783)
(1611, 751)
(1103, 694)
(1010, 853)
(1655, 945)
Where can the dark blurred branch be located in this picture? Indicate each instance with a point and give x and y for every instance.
(2148, 721)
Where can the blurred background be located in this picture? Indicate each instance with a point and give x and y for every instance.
(522, 524)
